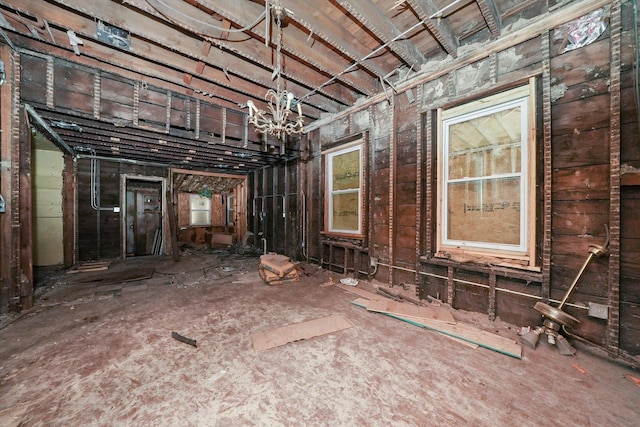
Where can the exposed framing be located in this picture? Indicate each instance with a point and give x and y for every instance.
(612, 339)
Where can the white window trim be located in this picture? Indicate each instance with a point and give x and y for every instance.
(191, 210)
(330, 154)
(523, 96)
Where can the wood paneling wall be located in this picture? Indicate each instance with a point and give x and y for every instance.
(99, 229)
(587, 133)
(273, 209)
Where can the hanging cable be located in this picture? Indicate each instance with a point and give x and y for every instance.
(154, 5)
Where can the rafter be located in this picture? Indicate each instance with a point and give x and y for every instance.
(377, 22)
(491, 16)
(323, 26)
(222, 63)
(438, 27)
(295, 46)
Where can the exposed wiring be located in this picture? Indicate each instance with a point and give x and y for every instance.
(364, 58)
(153, 4)
(440, 14)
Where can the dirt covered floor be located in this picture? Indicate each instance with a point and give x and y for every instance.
(98, 352)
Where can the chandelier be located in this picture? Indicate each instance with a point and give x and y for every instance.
(278, 101)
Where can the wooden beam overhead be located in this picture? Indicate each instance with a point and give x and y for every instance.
(370, 15)
(295, 46)
(324, 27)
(491, 16)
(438, 27)
(223, 63)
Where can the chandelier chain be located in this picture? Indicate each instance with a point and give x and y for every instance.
(276, 120)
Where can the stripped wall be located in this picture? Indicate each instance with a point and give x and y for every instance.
(587, 139)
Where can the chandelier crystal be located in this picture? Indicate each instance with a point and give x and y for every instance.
(279, 101)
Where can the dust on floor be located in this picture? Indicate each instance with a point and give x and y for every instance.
(102, 354)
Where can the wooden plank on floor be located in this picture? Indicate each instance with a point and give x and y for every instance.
(118, 276)
(436, 314)
(361, 302)
(263, 340)
(464, 332)
(478, 336)
(360, 292)
(89, 266)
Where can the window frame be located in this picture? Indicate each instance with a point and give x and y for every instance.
(523, 96)
(329, 156)
(192, 196)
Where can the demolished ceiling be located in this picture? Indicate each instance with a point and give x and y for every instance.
(337, 53)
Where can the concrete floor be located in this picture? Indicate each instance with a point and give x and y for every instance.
(96, 355)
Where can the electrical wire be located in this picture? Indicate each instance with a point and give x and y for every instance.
(203, 23)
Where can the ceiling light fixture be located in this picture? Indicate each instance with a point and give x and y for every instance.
(279, 101)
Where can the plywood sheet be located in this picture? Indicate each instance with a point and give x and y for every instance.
(360, 292)
(264, 340)
(436, 314)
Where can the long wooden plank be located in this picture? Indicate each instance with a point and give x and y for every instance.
(436, 314)
(477, 336)
(361, 302)
(263, 340)
(360, 292)
(466, 333)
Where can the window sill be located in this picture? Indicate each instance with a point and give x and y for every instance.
(348, 236)
(529, 274)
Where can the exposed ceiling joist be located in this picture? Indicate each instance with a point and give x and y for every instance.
(491, 16)
(295, 44)
(221, 53)
(374, 19)
(438, 27)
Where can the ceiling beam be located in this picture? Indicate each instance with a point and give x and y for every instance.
(440, 30)
(322, 26)
(108, 139)
(491, 16)
(296, 46)
(371, 17)
(225, 67)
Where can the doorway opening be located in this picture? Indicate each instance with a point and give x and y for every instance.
(143, 216)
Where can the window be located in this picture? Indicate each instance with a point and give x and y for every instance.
(343, 190)
(231, 217)
(200, 210)
(487, 201)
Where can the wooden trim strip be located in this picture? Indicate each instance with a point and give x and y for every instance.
(547, 169)
(613, 324)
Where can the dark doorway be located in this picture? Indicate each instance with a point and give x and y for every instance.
(143, 217)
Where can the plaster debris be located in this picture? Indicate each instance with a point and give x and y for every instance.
(558, 91)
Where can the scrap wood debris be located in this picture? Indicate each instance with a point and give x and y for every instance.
(579, 369)
(277, 269)
(459, 331)
(263, 340)
(183, 339)
(634, 379)
(89, 266)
